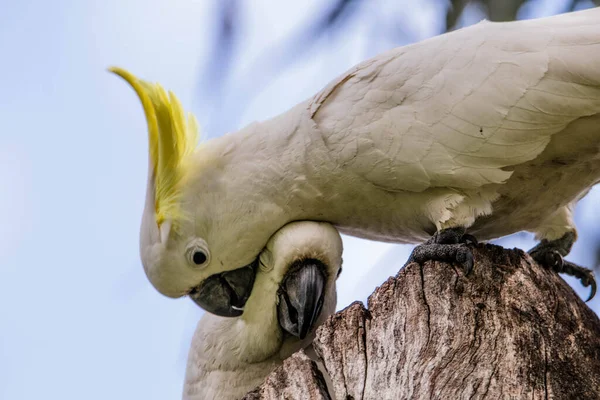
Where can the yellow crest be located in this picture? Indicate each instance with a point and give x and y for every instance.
(172, 139)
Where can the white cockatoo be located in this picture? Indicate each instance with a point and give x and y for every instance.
(491, 130)
(294, 292)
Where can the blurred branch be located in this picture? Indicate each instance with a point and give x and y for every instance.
(505, 10)
(273, 60)
(223, 49)
(454, 12)
(227, 104)
(331, 19)
(495, 10)
(573, 5)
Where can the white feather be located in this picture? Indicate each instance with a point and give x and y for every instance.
(494, 127)
(230, 356)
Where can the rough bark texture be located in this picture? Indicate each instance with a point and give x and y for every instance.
(297, 379)
(509, 330)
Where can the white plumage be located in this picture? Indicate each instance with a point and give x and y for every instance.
(231, 356)
(494, 127)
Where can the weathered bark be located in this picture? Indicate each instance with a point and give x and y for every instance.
(298, 378)
(509, 330)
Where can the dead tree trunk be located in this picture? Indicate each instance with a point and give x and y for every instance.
(509, 330)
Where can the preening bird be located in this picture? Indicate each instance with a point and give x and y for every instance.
(488, 130)
(294, 292)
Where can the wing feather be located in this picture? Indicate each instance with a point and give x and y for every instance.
(461, 109)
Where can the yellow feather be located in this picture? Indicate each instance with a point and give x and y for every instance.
(172, 141)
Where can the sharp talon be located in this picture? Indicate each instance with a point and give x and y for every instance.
(550, 253)
(469, 265)
(554, 260)
(465, 257)
(469, 239)
(588, 280)
(593, 291)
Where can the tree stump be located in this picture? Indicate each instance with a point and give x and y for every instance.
(509, 330)
(298, 375)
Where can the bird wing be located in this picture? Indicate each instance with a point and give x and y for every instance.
(460, 109)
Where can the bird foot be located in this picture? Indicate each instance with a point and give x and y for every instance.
(448, 245)
(550, 253)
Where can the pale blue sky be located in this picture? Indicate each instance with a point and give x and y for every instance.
(78, 317)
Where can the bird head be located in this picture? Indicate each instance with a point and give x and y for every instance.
(306, 260)
(198, 237)
(294, 292)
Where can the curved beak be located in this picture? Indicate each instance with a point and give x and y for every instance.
(225, 294)
(301, 297)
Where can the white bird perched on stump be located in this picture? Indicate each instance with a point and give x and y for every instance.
(294, 292)
(491, 130)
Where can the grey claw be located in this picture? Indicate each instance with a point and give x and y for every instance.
(590, 281)
(448, 245)
(450, 253)
(469, 239)
(585, 276)
(549, 254)
(554, 260)
(465, 256)
(593, 292)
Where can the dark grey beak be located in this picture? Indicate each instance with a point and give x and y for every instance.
(301, 297)
(225, 294)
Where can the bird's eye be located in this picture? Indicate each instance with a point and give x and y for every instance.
(199, 257)
(197, 253)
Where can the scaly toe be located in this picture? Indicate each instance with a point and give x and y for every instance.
(469, 239)
(585, 276)
(450, 253)
(464, 256)
(553, 260)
